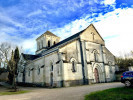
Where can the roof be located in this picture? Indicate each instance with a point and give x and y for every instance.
(74, 36)
(30, 57)
(47, 33)
(97, 31)
(67, 39)
(50, 33)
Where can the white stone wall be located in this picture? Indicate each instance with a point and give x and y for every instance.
(90, 71)
(38, 77)
(90, 49)
(20, 77)
(69, 75)
(34, 76)
(91, 43)
(88, 35)
(72, 51)
(108, 56)
(52, 59)
(52, 39)
(28, 77)
(110, 72)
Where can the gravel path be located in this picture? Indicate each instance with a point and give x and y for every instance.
(69, 93)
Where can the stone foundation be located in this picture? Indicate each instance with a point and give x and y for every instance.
(72, 83)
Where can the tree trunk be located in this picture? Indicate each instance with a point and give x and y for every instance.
(14, 82)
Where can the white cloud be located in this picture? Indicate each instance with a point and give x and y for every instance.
(109, 2)
(6, 19)
(29, 45)
(34, 13)
(71, 28)
(117, 23)
(115, 27)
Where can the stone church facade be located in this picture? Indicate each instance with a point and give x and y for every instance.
(79, 59)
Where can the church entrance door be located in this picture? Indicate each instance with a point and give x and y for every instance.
(96, 75)
(51, 79)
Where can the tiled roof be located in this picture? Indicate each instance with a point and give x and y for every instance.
(30, 57)
(50, 33)
(67, 39)
(47, 33)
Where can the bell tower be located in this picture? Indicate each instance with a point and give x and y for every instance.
(45, 41)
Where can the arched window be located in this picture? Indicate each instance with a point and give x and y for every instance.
(73, 66)
(73, 61)
(110, 67)
(54, 42)
(49, 43)
(96, 56)
(29, 73)
(38, 70)
(52, 67)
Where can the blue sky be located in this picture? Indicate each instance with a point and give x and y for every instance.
(21, 21)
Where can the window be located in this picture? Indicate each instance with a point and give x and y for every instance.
(110, 69)
(95, 56)
(54, 42)
(129, 73)
(73, 66)
(38, 70)
(19, 74)
(52, 67)
(29, 72)
(59, 72)
(48, 43)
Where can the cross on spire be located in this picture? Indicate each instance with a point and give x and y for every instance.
(92, 35)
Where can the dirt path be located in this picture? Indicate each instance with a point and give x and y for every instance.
(69, 93)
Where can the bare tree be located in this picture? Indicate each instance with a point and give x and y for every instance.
(5, 53)
(10, 57)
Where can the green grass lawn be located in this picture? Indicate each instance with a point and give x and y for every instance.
(122, 93)
(11, 93)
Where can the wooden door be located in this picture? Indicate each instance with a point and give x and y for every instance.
(96, 75)
(51, 79)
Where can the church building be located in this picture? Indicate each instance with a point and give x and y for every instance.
(77, 60)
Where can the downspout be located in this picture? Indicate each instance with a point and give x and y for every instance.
(82, 61)
(103, 63)
(61, 66)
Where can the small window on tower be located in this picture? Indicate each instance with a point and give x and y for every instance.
(48, 43)
(54, 42)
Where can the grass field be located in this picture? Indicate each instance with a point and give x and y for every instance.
(12, 93)
(122, 93)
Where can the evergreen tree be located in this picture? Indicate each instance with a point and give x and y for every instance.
(16, 58)
(13, 63)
